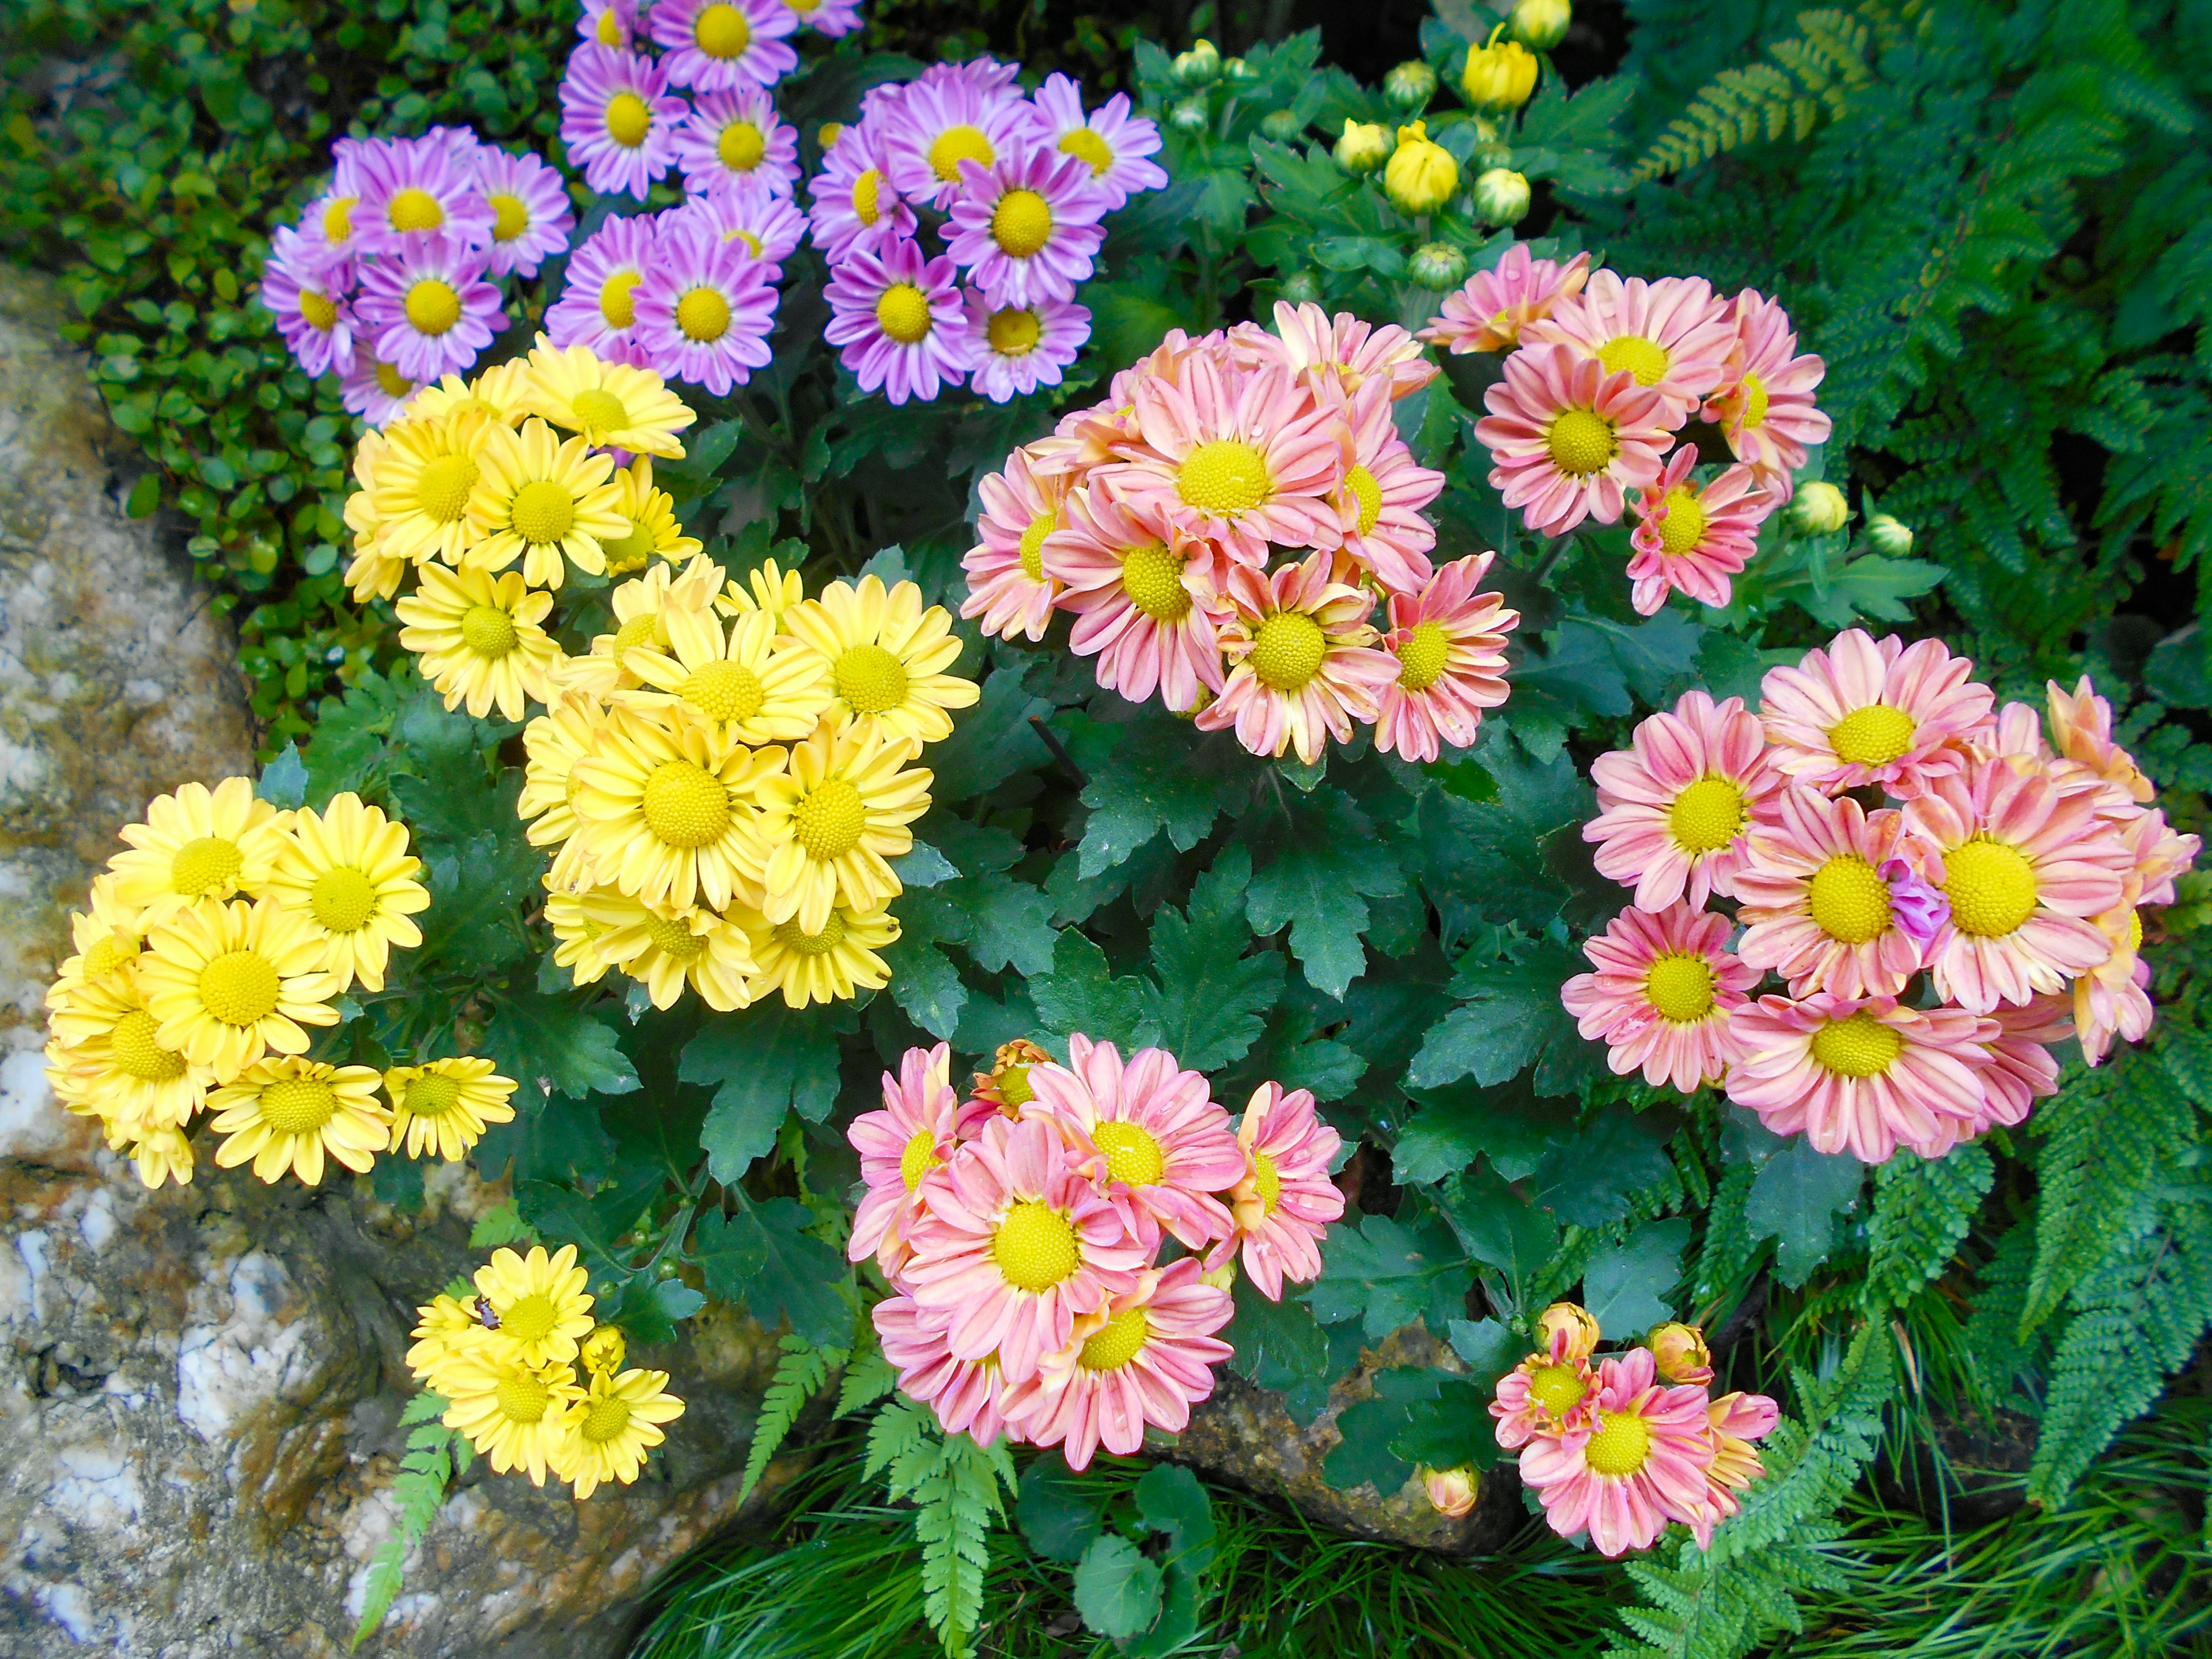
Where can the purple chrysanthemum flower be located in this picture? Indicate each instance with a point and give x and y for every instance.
(617, 120)
(898, 318)
(1018, 348)
(854, 203)
(375, 390)
(723, 46)
(598, 307)
(326, 224)
(955, 112)
(429, 309)
(1919, 909)
(1115, 142)
(608, 23)
(704, 310)
(1027, 229)
(731, 135)
(306, 293)
(827, 18)
(744, 212)
(412, 188)
(529, 215)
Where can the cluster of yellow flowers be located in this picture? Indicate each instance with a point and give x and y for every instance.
(224, 930)
(506, 1360)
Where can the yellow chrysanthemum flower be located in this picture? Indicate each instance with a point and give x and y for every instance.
(161, 1156)
(107, 1054)
(668, 809)
(613, 405)
(665, 950)
(608, 1431)
(512, 1413)
(640, 606)
(653, 531)
(554, 741)
(603, 1351)
(739, 682)
(373, 574)
(231, 982)
(443, 1105)
(498, 392)
(770, 589)
(198, 843)
(479, 639)
(447, 1331)
(424, 481)
(348, 871)
(361, 517)
(885, 655)
(829, 821)
(540, 1302)
(290, 1114)
(576, 936)
(827, 966)
(542, 501)
(106, 935)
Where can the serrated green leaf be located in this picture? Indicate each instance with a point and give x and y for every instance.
(1625, 1286)
(1210, 995)
(1117, 1589)
(1389, 1273)
(763, 1258)
(762, 1061)
(1513, 1019)
(1082, 994)
(551, 1046)
(1794, 1200)
(1318, 885)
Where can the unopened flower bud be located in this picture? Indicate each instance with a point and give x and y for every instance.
(1499, 76)
(1888, 535)
(1820, 509)
(1006, 1084)
(1421, 176)
(1364, 147)
(1281, 124)
(1501, 196)
(828, 134)
(1439, 265)
(1198, 66)
(1238, 72)
(1409, 87)
(604, 1350)
(1567, 1333)
(1300, 288)
(1679, 1351)
(1540, 25)
(1191, 114)
(1222, 1278)
(1451, 1491)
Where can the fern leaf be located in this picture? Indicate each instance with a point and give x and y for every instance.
(1922, 1209)
(1994, 1351)
(800, 1374)
(867, 1380)
(897, 1430)
(425, 1407)
(419, 1488)
(1814, 73)
(954, 1503)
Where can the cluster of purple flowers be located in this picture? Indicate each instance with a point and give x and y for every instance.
(389, 279)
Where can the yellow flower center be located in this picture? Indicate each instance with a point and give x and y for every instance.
(869, 678)
(599, 410)
(741, 147)
(1034, 1246)
(638, 630)
(1288, 651)
(752, 242)
(1022, 222)
(685, 804)
(441, 493)
(1368, 494)
(1848, 900)
(240, 988)
(828, 823)
(605, 1420)
(609, 28)
(1646, 360)
(1090, 146)
(1859, 1046)
(1707, 816)
(1423, 657)
(1224, 476)
(1580, 441)
(902, 310)
(725, 691)
(1620, 1445)
(412, 210)
(919, 1158)
(1131, 1154)
(543, 512)
(1269, 1179)
(955, 145)
(703, 314)
(1680, 987)
(131, 1042)
(337, 218)
(1013, 332)
(616, 305)
(627, 552)
(209, 864)
(674, 939)
(391, 382)
(2135, 936)
(319, 309)
(722, 31)
(108, 954)
(489, 632)
(628, 119)
(521, 1397)
(531, 1318)
(812, 945)
(1013, 1082)
(1558, 1389)
(1991, 887)
(865, 190)
(1117, 1342)
(298, 1105)
(1754, 400)
(1152, 575)
(432, 1094)
(343, 898)
(510, 217)
(1873, 736)
(1684, 526)
(1032, 547)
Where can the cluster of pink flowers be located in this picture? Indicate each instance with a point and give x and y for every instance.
(1222, 524)
(1618, 1445)
(1604, 377)
(1022, 1231)
(390, 280)
(1015, 189)
(2007, 876)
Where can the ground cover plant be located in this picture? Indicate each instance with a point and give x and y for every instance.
(974, 572)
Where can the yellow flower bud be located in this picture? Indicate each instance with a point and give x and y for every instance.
(1500, 75)
(1540, 25)
(1501, 196)
(1200, 65)
(827, 135)
(1451, 1491)
(1889, 535)
(1421, 176)
(1222, 1278)
(1364, 147)
(1679, 1353)
(1820, 509)
(1570, 1322)
(604, 1350)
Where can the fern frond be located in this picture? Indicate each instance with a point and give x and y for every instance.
(1814, 73)
(894, 1434)
(1922, 1209)
(419, 1488)
(799, 1376)
(954, 1503)
(867, 1379)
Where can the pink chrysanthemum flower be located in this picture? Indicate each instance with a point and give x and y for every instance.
(2022, 1070)
(1018, 348)
(1815, 903)
(853, 204)
(2024, 865)
(965, 1394)
(428, 308)
(1168, 1147)
(1303, 662)
(1675, 807)
(1568, 441)
(1545, 1395)
(897, 317)
(1449, 641)
(1489, 312)
(1115, 145)
(733, 136)
(1336, 357)
(1244, 457)
(1690, 539)
(1672, 335)
(1665, 986)
(608, 23)
(308, 296)
(1384, 491)
(1008, 587)
(1859, 1075)
(2113, 999)
(1027, 228)
(1142, 594)
(412, 188)
(617, 119)
(2157, 854)
(1764, 406)
(1146, 1357)
(827, 18)
(724, 45)
(913, 1133)
(763, 225)
(704, 310)
(955, 112)
(374, 389)
(2081, 731)
(1283, 1206)
(1015, 1241)
(529, 215)
(1734, 1420)
(1637, 1461)
(598, 308)
(1864, 712)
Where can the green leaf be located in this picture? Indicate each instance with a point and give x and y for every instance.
(1144, 779)
(1329, 860)
(1490, 1347)
(800, 1371)
(762, 1062)
(551, 1046)
(500, 1225)
(1922, 1209)
(922, 865)
(1794, 1200)
(1485, 861)
(1625, 1286)
(1170, 1500)
(1497, 1226)
(992, 741)
(1513, 1019)
(1390, 1274)
(1276, 1344)
(1082, 994)
(1117, 1589)
(1456, 1125)
(1210, 996)
(284, 780)
(1060, 1512)
(763, 1258)
(1596, 1176)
